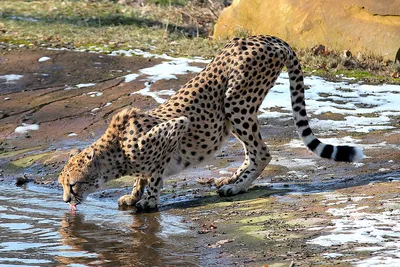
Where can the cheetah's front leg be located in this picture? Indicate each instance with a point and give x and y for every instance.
(152, 198)
(137, 192)
(163, 138)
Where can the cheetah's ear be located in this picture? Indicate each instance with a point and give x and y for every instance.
(91, 155)
(74, 151)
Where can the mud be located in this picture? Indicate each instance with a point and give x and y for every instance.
(270, 225)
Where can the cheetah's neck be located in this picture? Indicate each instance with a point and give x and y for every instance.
(111, 160)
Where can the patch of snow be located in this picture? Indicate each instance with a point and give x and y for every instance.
(26, 128)
(379, 261)
(95, 109)
(43, 59)
(169, 70)
(353, 123)
(137, 52)
(24, 18)
(332, 255)
(358, 164)
(130, 77)
(346, 140)
(41, 74)
(107, 104)
(72, 134)
(94, 94)
(323, 96)
(11, 78)
(7, 98)
(82, 85)
(164, 71)
(368, 248)
(274, 114)
(294, 163)
(156, 95)
(375, 232)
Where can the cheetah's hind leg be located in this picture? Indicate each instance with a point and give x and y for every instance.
(257, 155)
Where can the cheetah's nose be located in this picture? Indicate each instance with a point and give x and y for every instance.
(67, 199)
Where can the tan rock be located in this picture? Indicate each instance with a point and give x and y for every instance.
(365, 26)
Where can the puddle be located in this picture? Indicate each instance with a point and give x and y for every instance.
(37, 229)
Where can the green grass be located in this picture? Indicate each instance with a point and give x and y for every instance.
(168, 2)
(103, 24)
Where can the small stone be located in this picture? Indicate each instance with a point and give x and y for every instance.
(319, 50)
(347, 54)
(21, 180)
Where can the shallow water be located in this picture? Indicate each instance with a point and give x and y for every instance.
(37, 229)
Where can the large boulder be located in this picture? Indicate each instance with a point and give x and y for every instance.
(366, 26)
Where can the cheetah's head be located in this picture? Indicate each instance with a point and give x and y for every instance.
(80, 176)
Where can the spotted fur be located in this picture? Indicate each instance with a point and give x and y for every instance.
(192, 125)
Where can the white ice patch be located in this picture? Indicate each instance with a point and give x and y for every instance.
(378, 233)
(26, 128)
(352, 100)
(43, 59)
(82, 85)
(358, 164)
(346, 140)
(156, 95)
(169, 70)
(164, 71)
(130, 77)
(137, 52)
(353, 123)
(24, 18)
(332, 255)
(11, 78)
(72, 134)
(107, 104)
(294, 163)
(94, 94)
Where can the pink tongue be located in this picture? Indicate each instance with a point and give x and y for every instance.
(72, 206)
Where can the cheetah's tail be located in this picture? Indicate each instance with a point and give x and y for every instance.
(336, 153)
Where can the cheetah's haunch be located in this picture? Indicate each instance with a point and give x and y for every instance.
(192, 125)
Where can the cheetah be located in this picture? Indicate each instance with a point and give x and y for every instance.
(192, 125)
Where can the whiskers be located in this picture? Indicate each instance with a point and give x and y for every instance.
(77, 199)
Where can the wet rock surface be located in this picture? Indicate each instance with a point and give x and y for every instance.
(65, 102)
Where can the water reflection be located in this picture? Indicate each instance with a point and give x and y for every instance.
(36, 230)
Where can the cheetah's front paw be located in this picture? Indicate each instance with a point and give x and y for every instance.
(223, 181)
(146, 204)
(128, 200)
(229, 190)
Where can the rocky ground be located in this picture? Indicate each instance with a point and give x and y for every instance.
(303, 210)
